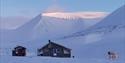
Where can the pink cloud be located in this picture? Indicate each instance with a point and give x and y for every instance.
(92, 15)
(72, 15)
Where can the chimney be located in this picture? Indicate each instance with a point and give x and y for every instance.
(49, 41)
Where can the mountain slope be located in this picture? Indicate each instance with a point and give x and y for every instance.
(44, 28)
(108, 24)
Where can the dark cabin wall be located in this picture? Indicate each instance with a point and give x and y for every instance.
(19, 51)
(48, 50)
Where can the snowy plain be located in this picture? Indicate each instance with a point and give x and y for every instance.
(89, 44)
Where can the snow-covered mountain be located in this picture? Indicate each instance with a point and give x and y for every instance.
(45, 26)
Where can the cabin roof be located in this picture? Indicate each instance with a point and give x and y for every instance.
(55, 44)
(20, 47)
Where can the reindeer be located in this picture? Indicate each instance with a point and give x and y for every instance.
(112, 55)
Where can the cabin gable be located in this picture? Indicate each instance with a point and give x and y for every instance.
(54, 50)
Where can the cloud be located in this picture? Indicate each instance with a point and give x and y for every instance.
(92, 15)
(74, 15)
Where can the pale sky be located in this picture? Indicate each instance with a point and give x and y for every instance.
(34, 7)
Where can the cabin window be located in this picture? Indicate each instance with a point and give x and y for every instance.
(41, 52)
(66, 52)
(46, 50)
(55, 50)
(54, 54)
(16, 52)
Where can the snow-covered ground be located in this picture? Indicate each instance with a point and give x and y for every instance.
(10, 59)
(89, 44)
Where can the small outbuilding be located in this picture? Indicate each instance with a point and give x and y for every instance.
(54, 50)
(19, 51)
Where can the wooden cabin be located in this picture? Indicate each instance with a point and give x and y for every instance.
(19, 51)
(54, 50)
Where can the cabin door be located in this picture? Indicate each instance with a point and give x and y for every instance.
(55, 52)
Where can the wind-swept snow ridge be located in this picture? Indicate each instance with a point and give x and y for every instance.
(31, 24)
